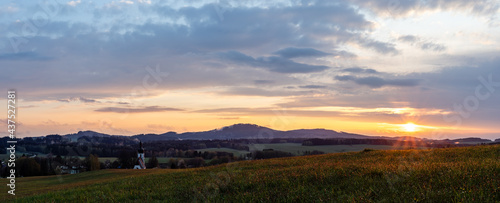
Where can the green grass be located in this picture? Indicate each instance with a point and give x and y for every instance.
(104, 159)
(438, 175)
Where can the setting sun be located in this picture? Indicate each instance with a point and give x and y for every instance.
(410, 127)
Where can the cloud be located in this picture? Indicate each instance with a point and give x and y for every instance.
(408, 38)
(263, 82)
(348, 113)
(377, 82)
(160, 127)
(95, 54)
(24, 56)
(432, 46)
(293, 52)
(74, 3)
(85, 100)
(360, 70)
(146, 109)
(380, 47)
(250, 91)
(235, 110)
(313, 87)
(229, 118)
(369, 100)
(405, 8)
(81, 99)
(422, 44)
(28, 106)
(272, 63)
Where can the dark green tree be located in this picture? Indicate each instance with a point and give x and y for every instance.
(27, 167)
(153, 162)
(92, 162)
(127, 159)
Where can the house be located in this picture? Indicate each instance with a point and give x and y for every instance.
(65, 169)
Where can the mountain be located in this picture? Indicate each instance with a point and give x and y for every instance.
(252, 131)
(249, 131)
(243, 131)
(322, 133)
(88, 133)
(157, 137)
(236, 131)
(471, 139)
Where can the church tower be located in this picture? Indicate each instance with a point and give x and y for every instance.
(140, 158)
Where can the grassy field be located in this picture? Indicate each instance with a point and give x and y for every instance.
(439, 175)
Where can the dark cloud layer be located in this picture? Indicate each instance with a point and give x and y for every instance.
(293, 52)
(313, 86)
(422, 44)
(25, 56)
(136, 110)
(81, 99)
(360, 70)
(95, 54)
(250, 91)
(272, 63)
(377, 82)
(404, 8)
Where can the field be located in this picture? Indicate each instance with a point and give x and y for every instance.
(439, 175)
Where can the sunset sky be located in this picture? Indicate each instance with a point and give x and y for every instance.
(384, 67)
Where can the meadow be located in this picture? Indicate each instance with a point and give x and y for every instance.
(440, 175)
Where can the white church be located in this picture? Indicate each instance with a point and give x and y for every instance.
(140, 158)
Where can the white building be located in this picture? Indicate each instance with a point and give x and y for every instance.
(140, 164)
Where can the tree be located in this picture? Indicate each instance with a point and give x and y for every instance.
(153, 162)
(115, 164)
(127, 159)
(181, 164)
(196, 162)
(92, 162)
(172, 163)
(27, 167)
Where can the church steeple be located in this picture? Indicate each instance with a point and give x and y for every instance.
(140, 150)
(140, 158)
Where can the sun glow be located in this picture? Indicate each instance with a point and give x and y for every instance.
(410, 127)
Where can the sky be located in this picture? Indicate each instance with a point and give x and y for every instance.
(428, 69)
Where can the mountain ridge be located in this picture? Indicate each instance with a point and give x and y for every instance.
(251, 131)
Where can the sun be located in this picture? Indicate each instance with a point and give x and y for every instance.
(410, 127)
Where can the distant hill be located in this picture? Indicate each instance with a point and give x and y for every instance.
(471, 139)
(252, 131)
(156, 137)
(88, 133)
(249, 131)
